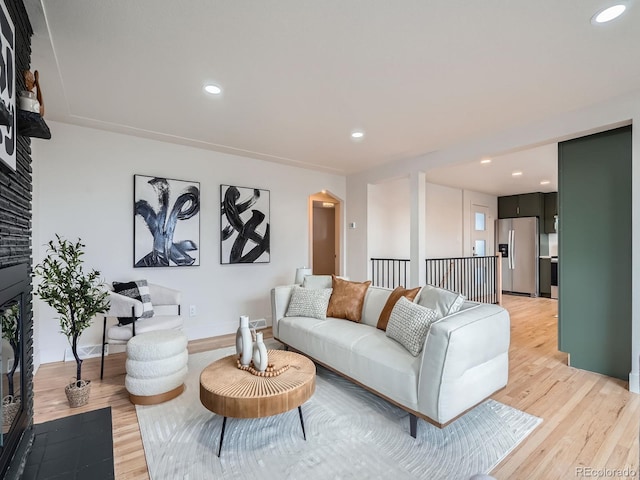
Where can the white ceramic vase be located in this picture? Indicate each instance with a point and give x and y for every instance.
(260, 357)
(243, 341)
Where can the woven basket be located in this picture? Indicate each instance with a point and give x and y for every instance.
(10, 408)
(78, 392)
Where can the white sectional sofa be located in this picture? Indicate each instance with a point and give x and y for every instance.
(464, 359)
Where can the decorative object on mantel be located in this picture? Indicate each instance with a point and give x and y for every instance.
(31, 108)
(260, 355)
(244, 342)
(7, 88)
(166, 230)
(244, 225)
(76, 297)
(302, 272)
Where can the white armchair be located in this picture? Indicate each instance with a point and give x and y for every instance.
(166, 316)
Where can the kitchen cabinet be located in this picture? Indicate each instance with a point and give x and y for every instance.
(545, 277)
(508, 206)
(550, 212)
(523, 205)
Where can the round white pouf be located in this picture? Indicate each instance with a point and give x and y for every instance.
(156, 366)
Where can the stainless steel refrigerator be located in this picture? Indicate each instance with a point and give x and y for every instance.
(518, 243)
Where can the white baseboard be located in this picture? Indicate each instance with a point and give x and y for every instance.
(85, 351)
(634, 382)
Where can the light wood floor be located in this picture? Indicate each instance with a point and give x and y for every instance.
(590, 421)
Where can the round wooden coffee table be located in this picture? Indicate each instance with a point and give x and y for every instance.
(231, 392)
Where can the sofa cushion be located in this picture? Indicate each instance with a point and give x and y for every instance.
(409, 324)
(398, 292)
(306, 302)
(444, 302)
(347, 299)
(330, 341)
(359, 351)
(386, 366)
(138, 290)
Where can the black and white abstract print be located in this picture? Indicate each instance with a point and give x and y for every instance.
(166, 222)
(244, 225)
(7, 89)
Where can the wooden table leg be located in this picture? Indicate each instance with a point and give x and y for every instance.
(304, 435)
(224, 424)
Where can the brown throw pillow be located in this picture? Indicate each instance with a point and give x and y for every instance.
(398, 292)
(347, 299)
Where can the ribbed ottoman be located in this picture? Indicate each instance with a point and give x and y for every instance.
(156, 366)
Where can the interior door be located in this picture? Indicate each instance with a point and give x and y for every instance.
(481, 242)
(481, 245)
(324, 240)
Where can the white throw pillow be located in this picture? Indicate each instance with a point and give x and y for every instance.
(445, 302)
(409, 324)
(308, 302)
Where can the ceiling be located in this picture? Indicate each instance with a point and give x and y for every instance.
(299, 76)
(495, 178)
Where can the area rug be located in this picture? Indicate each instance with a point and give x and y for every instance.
(351, 433)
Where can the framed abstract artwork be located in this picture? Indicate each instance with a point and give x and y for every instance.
(244, 225)
(7, 89)
(166, 222)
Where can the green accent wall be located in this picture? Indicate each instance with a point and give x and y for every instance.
(594, 189)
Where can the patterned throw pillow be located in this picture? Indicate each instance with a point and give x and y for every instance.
(409, 324)
(307, 302)
(138, 290)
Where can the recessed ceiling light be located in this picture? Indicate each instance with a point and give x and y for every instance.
(516, 174)
(608, 14)
(212, 89)
(357, 135)
(545, 182)
(485, 161)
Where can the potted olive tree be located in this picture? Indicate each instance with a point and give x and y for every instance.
(76, 296)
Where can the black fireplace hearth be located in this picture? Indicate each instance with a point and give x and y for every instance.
(16, 387)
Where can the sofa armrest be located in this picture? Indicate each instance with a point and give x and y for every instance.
(163, 295)
(120, 305)
(280, 297)
(465, 359)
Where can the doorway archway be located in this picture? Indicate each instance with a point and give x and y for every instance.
(325, 233)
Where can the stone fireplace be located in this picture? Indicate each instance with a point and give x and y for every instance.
(15, 277)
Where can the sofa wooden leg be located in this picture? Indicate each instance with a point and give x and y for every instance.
(413, 425)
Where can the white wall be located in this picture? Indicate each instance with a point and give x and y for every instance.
(447, 219)
(389, 225)
(444, 214)
(613, 113)
(83, 187)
